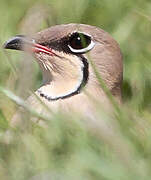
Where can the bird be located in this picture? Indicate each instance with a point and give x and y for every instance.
(63, 53)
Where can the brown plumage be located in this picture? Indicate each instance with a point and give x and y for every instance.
(62, 53)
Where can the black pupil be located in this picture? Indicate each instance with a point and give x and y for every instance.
(79, 41)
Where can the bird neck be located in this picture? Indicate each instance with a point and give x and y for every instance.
(66, 81)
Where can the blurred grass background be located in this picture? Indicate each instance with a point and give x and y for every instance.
(69, 150)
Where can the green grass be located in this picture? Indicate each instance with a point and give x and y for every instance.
(68, 148)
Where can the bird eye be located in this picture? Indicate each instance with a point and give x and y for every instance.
(80, 43)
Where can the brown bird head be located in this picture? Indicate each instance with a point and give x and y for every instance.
(62, 53)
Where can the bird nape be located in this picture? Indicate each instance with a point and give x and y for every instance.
(63, 53)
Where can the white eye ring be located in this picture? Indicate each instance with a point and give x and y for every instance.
(88, 48)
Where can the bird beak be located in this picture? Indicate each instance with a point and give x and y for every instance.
(22, 43)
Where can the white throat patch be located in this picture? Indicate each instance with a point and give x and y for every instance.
(60, 90)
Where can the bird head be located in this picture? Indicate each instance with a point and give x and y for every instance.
(63, 53)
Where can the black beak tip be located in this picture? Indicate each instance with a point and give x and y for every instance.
(6, 45)
(14, 43)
